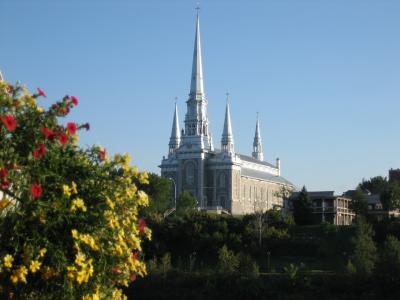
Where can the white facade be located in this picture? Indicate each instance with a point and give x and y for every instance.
(219, 179)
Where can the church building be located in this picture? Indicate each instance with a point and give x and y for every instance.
(222, 180)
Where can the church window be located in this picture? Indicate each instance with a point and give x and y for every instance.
(222, 179)
(190, 174)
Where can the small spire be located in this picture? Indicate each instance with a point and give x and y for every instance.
(1, 76)
(175, 140)
(196, 85)
(257, 144)
(227, 142)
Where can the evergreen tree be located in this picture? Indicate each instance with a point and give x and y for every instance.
(359, 204)
(389, 265)
(364, 252)
(390, 197)
(302, 208)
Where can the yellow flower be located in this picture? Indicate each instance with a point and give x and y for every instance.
(118, 295)
(110, 203)
(20, 273)
(80, 259)
(42, 219)
(78, 203)
(74, 188)
(75, 233)
(42, 252)
(66, 190)
(34, 266)
(4, 203)
(144, 178)
(40, 109)
(71, 272)
(14, 279)
(8, 260)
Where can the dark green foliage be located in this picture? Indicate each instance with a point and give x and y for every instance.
(375, 185)
(218, 286)
(160, 193)
(358, 204)
(364, 252)
(228, 261)
(248, 267)
(302, 208)
(390, 196)
(389, 265)
(186, 203)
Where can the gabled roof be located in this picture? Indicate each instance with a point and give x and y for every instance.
(253, 160)
(264, 176)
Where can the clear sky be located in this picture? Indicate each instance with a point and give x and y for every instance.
(323, 74)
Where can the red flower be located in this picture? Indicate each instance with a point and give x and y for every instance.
(4, 185)
(63, 138)
(3, 173)
(133, 278)
(135, 255)
(36, 190)
(49, 134)
(142, 225)
(74, 100)
(71, 127)
(116, 270)
(10, 122)
(41, 93)
(102, 154)
(40, 151)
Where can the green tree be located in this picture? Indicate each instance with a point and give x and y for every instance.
(364, 254)
(302, 208)
(228, 261)
(186, 203)
(358, 203)
(389, 264)
(375, 185)
(160, 193)
(248, 267)
(390, 197)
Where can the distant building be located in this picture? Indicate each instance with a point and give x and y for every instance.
(394, 175)
(375, 207)
(328, 208)
(222, 180)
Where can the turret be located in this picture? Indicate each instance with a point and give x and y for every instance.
(257, 144)
(227, 143)
(175, 139)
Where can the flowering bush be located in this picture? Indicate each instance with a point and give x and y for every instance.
(69, 225)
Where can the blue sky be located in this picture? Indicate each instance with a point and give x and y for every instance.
(324, 76)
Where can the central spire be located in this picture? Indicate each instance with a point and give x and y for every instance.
(196, 119)
(196, 85)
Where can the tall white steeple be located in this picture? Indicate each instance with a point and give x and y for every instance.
(257, 144)
(227, 144)
(196, 120)
(175, 139)
(1, 76)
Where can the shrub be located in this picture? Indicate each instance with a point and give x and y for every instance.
(69, 224)
(228, 262)
(248, 267)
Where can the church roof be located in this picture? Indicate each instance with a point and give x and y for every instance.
(264, 176)
(253, 160)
